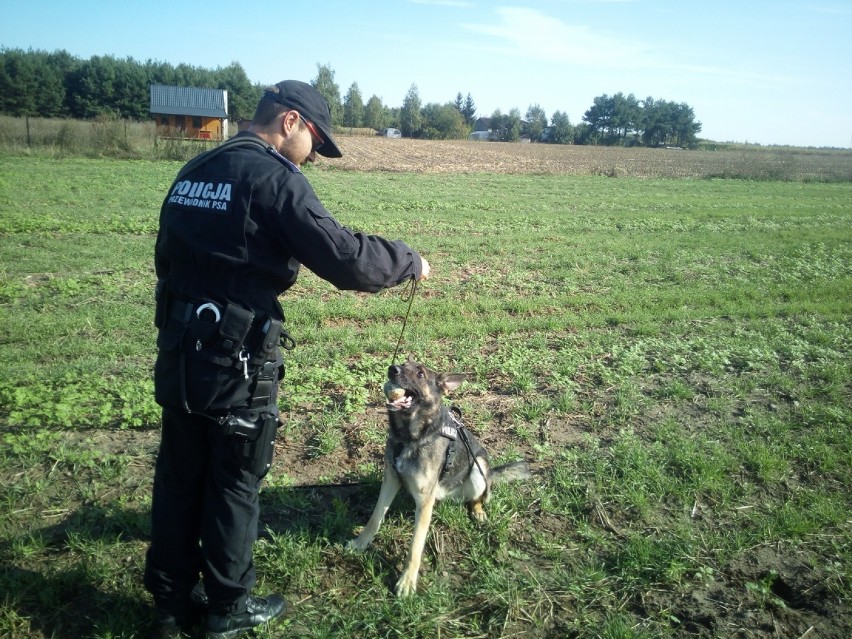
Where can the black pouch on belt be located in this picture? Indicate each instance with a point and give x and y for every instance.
(213, 371)
(265, 342)
(234, 327)
(220, 339)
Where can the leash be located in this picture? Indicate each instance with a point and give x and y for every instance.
(409, 291)
(455, 413)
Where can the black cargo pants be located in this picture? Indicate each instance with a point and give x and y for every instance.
(204, 516)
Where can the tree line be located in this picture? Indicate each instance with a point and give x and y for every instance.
(59, 85)
(611, 120)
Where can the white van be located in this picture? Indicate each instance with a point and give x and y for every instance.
(390, 133)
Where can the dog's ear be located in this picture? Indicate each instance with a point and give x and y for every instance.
(450, 381)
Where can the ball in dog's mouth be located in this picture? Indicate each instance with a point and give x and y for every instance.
(395, 394)
(398, 398)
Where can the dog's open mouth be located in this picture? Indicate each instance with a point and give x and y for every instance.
(399, 398)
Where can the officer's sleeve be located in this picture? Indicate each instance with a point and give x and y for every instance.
(349, 260)
(162, 265)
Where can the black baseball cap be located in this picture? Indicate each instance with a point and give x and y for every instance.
(310, 104)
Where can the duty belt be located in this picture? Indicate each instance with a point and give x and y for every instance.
(182, 311)
(233, 330)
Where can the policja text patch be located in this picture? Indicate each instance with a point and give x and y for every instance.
(213, 196)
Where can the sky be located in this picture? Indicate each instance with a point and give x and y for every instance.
(758, 71)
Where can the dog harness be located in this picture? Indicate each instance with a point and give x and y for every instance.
(453, 432)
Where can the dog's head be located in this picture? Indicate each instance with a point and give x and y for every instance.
(413, 387)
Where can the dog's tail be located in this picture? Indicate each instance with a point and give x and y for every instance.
(511, 472)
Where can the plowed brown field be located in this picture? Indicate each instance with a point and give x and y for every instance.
(463, 156)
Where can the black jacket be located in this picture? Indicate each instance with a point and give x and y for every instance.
(236, 226)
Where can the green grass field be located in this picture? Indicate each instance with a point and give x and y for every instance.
(671, 356)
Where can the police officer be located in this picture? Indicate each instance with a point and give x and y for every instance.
(235, 227)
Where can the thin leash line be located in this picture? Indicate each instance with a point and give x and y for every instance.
(460, 428)
(405, 320)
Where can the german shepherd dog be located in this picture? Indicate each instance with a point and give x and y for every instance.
(433, 455)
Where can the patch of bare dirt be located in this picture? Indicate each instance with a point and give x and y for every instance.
(767, 592)
(464, 156)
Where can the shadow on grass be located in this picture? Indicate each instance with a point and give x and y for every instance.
(330, 512)
(66, 580)
(82, 577)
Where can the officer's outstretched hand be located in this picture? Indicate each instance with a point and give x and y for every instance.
(424, 269)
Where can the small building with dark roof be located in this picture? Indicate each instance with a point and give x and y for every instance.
(190, 112)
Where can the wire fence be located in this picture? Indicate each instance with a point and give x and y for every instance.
(110, 137)
(95, 138)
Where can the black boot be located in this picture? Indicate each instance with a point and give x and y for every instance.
(198, 598)
(169, 625)
(258, 610)
(178, 619)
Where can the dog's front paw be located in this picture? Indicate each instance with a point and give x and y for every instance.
(407, 585)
